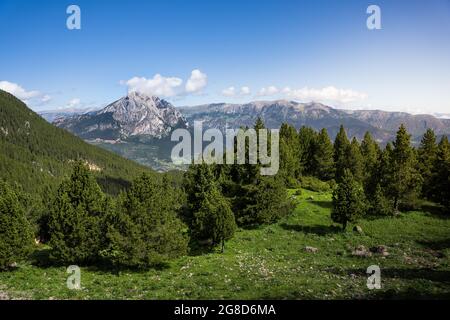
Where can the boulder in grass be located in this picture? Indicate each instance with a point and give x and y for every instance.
(311, 249)
(358, 229)
(381, 249)
(361, 251)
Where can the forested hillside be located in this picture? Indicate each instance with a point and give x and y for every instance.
(36, 154)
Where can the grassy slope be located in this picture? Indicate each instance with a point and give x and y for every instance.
(271, 262)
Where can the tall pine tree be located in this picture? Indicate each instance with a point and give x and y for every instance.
(340, 155)
(355, 161)
(348, 201)
(427, 154)
(441, 174)
(405, 181)
(370, 152)
(322, 163)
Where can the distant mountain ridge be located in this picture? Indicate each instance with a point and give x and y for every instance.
(138, 115)
(382, 124)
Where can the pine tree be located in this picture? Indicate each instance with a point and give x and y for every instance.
(16, 237)
(340, 155)
(76, 219)
(380, 205)
(355, 162)
(370, 152)
(427, 154)
(264, 202)
(210, 217)
(198, 180)
(145, 230)
(289, 155)
(323, 164)
(348, 201)
(405, 180)
(441, 174)
(307, 138)
(214, 220)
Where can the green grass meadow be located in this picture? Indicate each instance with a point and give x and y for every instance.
(271, 262)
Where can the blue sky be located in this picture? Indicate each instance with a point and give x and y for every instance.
(193, 52)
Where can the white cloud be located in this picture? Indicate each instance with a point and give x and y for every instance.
(245, 91)
(158, 85)
(46, 98)
(73, 103)
(19, 91)
(229, 92)
(233, 92)
(167, 86)
(269, 91)
(327, 94)
(196, 82)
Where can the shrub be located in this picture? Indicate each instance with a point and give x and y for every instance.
(145, 230)
(264, 202)
(314, 184)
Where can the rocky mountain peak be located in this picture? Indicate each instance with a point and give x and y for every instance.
(132, 115)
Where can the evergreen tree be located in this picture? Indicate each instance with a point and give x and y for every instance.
(76, 218)
(264, 202)
(370, 152)
(210, 217)
(340, 155)
(380, 205)
(355, 162)
(441, 174)
(307, 139)
(405, 180)
(214, 220)
(427, 154)
(145, 229)
(323, 164)
(198, 180)
(348, 201)
(289, 155)
(255, 199)
(16, 237)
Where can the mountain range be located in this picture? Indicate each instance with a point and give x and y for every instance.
(138, 126)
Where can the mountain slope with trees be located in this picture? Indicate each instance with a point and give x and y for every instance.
(36, 155)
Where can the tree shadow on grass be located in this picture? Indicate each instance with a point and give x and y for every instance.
(436, 245)
(323, 204)
(41, 258)
(314, 229)
(408, 294)
(435, 211)
(442, 276)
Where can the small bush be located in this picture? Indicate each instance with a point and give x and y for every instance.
(145, 230)
(314, 184)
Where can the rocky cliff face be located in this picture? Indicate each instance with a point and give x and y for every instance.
(134, 115)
